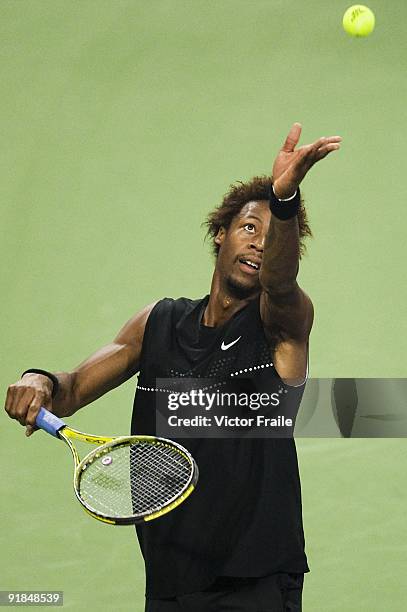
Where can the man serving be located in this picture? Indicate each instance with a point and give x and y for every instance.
(237, 543)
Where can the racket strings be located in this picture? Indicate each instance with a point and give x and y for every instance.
(134, 479)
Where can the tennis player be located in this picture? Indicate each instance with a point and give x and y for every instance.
(237, 543)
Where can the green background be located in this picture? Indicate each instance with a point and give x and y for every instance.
(123, 123)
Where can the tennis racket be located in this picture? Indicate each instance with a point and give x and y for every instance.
(127, 479)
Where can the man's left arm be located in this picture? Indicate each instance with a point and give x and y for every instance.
(284, 306)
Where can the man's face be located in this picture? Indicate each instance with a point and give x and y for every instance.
(241, 249)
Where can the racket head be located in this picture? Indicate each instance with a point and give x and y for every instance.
(134, 479)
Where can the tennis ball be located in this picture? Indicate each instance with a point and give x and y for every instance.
(358, 20)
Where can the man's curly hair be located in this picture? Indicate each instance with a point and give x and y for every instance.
(240, 194)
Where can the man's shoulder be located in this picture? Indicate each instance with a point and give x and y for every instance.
(176, 306)
(180, 302)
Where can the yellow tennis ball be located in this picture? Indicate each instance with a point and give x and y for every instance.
(358, 20)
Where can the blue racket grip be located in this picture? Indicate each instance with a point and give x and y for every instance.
(49, 422)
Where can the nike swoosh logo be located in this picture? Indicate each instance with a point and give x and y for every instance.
(225, 347)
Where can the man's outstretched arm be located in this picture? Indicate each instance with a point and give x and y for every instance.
(106, 369)
(284, 305)
(286, 310)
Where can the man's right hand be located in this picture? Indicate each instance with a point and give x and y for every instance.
(106, 369)
(25, 398)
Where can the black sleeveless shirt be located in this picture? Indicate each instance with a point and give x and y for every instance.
(244, 519)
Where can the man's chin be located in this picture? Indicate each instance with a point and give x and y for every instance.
(242, 290)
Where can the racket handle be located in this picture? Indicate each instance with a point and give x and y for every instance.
(49, 422)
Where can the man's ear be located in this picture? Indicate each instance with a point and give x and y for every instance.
(220, 236)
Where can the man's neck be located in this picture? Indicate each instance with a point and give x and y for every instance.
(222, 305)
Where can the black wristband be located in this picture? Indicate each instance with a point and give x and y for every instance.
(51, 376)
(284, 210)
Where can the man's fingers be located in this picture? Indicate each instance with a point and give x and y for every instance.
(325, 140)
(30, 430)
(34, 409)
(333, 146)
(14, 399)
(24, 400)
(323, 151)
(38, 402)
(20, 407)
(310, 154)
(292, 139)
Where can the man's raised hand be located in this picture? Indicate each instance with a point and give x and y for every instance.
(291, 164)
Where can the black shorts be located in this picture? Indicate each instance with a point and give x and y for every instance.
(275, 593)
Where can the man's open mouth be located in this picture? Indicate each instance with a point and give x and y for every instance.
(248, 262)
